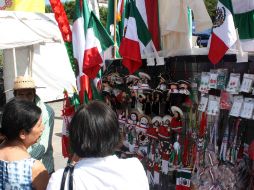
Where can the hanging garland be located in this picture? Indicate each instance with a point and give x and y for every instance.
(65, 29)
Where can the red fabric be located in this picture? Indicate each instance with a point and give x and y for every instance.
(163, 133)
(62, 20)
(65, 146)
(85, 86)
(217, 49)
(92, 61)
(130, 51)
(251, 151)
(175, 123)
(153, 21)
(185, 151)
(202, 125)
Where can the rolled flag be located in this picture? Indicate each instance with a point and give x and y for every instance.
(67, 113)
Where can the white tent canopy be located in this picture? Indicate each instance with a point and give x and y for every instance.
(32, 45)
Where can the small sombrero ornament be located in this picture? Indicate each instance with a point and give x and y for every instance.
(177, 109)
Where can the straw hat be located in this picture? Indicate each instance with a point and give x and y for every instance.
(175, 108)
(23, 82)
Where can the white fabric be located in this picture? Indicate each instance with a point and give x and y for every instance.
(22, 29)
(50, 69)
(104, 173)
(141, 5)
(93, 40)
(78, 41)
(39, 34)
(242, 6)
(226, 31)
(174, 22)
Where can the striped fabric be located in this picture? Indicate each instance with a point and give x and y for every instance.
(16, 174)
(43, 150)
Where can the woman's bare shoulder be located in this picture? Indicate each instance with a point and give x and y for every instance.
(40, 176)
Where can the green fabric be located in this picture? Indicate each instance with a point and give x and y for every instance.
(143, 32)
(227, 4)
(245, 24)
(82, 10)
(100, 32)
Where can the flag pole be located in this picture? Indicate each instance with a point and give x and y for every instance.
(115, 45)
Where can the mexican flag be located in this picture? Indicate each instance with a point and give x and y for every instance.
(244, 22)
(136, 38)
(97, 41)
(79, 29)
(148, 9)
(224, 33)
(183, 179)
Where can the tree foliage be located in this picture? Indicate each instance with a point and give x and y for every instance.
(69, 8)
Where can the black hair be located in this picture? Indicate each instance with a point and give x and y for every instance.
(94, 130)
(19, 115)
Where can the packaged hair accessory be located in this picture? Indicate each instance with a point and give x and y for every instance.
(247, 83)
(233, 86)
(247, 110)
(204, 82)
(237, 106)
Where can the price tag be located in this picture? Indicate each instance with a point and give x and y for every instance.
(237, 106)
(203, 103)
(248, 107)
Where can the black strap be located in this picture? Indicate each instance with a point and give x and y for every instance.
(66, 170)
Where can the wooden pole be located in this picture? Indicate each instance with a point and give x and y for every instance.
(115, 16)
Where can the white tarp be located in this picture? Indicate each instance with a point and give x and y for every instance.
(36, 34)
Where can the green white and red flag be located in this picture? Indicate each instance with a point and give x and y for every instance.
(97, 42)
(136, 39)
(224, 34)
(79, 29)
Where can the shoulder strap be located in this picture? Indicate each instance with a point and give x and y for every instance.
(66, 170)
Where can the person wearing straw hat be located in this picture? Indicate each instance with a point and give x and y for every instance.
(25, 89)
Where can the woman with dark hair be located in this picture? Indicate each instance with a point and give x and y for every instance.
(21, 127)
(94, 137)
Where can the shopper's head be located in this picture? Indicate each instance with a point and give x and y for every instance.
(24, 88)
(22, 121)
(94, 130)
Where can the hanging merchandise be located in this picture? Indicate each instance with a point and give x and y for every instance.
(237, 106)
(213, 79)
(183, 179)
(233, 86)
(204, 82)
(247, 83)
(222, 79)
(225, 100)
(203, 104)
(213, 105)
(248, 107)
